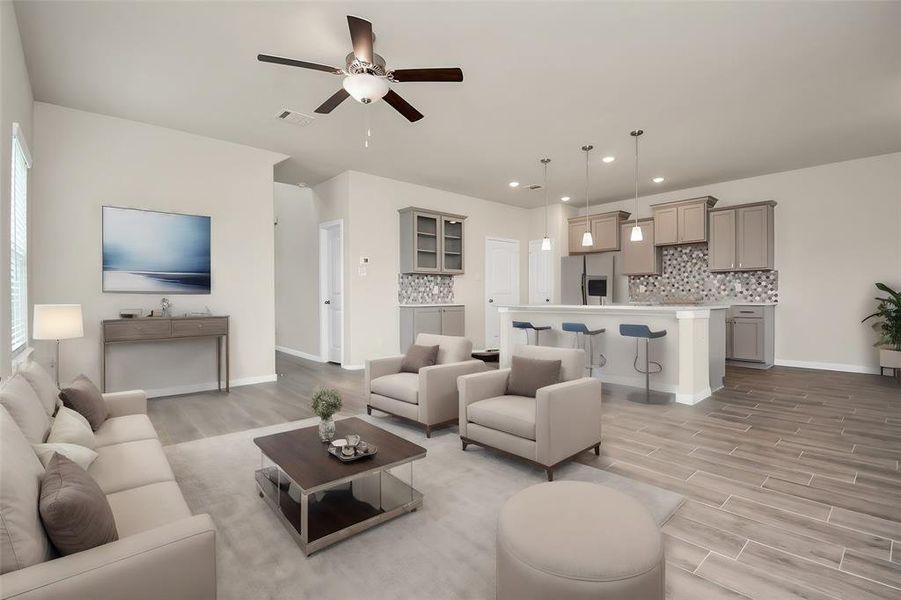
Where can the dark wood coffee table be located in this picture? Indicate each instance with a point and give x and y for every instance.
(322, 500)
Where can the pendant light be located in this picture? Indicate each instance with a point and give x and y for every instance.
(546, 242)
(636, 235)
(586, 237)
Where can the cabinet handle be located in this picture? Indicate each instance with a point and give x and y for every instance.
(732, 266)
(746, 312)
(739, 265)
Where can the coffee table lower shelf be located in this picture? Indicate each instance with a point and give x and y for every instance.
(320, 519)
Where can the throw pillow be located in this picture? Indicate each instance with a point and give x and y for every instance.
(81, 456)
(418, 357)
(26, 409)
(43, 384)
(69, 427)
(76, 514)
(528, 375)
(84, 397)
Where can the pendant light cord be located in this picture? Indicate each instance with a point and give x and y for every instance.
(545, 162)
(588, 148)
(636, 181)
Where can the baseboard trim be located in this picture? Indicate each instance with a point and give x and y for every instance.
(353, 367)
(827, 366)
(299, 354)
(207, 387)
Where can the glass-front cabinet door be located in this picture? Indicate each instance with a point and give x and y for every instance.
(427, 229)
(452, 245)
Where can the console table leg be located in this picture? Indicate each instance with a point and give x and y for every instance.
(219, 363)
(227, 366)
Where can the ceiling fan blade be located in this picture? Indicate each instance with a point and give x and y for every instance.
(333, 101)
(402, 106)
(361, 36)
(449, 74)
(297, 63)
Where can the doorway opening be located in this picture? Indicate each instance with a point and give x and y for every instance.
(501, 284)
(331, 291)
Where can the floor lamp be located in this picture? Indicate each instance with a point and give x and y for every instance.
(57, 322)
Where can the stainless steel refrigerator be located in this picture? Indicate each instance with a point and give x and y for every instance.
(587, 279)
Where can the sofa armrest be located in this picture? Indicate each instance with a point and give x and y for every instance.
(480, 386)
(119, 404)
(438, 395)
(379, 367)
(177, 560)
(567, 419)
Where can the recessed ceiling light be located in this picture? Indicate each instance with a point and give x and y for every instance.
(513, 184)
(657, 180)
(564, 198)
(608, 159)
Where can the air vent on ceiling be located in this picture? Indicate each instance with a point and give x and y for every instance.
(297, 118)
(534, 186)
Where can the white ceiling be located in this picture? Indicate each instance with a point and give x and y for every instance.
(723, 90)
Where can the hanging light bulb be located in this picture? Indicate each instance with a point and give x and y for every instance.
(586, 237)
(546, 242)
(636, 235)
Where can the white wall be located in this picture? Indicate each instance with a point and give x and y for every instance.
(838, 231)
(296, 271)
(16, 106)
(84, 161)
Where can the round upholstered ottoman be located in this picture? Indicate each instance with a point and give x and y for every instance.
(574, 540)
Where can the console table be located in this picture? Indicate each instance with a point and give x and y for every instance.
(160, 329)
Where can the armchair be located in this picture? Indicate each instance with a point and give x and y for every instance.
(561, 421)
(429, 397)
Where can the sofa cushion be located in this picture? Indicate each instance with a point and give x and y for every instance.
(528, 375)
(74, 510)
(129, 428)
(23, 541)
(147, 507)
(400, 386)
(511, 414)
(130, 465)
(83, 397)
(69, 427)
(42, 383)
(24, 406)
(418, 357)
(81, 456)
(451, 348)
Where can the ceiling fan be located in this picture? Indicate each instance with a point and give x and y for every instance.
(365, 74)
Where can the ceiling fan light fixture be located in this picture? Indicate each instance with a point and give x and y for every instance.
(365, 88)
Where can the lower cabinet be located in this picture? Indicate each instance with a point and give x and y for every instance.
(750, 333)
(443, 320)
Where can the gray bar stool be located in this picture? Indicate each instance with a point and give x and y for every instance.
(640, 332)
(526, 326)
(582, 334)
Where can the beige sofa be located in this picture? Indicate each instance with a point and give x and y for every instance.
(563, 420)
(428, 397)
(162, 552)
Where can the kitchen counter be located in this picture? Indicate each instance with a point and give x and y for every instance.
(693, 352)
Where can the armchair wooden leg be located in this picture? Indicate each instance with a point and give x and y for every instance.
(465, 443)
(550, 474)
(597, 449)
(428, 431)
(368, 410)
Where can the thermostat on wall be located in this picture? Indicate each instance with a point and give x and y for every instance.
(364, 260)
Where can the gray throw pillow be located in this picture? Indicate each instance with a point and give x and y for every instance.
(83, 397)
(75, 512)
(528, 375)
(418, 357)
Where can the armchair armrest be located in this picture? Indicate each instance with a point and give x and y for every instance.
(177, 560)
(567, 419)
(438, 394)
(480, 386)
(379, 367)
(119, 404)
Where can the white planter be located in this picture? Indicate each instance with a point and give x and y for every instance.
(890, 359)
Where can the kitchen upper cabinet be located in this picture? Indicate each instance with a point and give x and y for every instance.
(605, 232)
(640, 258)
(682, 222)
(741, 237)
(431, 242)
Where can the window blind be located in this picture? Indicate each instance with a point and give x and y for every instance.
(19, 243)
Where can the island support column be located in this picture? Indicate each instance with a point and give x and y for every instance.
(694, 356)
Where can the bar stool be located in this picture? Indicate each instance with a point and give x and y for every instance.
(582, 333)
(526, 326)
(640, 332)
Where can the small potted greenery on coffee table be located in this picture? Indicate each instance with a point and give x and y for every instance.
(326, 403)
(888, 325)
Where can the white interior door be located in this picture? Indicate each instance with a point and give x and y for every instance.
(541, 274)
(332, 286)
(501, 283)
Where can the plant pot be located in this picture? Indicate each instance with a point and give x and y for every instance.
(326, 429)
(889, 358)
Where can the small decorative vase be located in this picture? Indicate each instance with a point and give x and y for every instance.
(326, 429)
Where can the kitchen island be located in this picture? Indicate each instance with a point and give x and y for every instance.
(693, 352)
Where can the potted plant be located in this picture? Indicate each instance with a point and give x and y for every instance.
(888, 325)
(326, 402)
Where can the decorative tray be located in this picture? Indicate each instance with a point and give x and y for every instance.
(336, 452)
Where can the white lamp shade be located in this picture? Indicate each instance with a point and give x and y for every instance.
(586, 239)
(364, 86)
(57, 322)
(636, 235)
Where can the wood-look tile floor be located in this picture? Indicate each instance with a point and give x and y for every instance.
(791, 476)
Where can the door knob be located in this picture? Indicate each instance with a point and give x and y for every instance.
(547, 299)
(490, 299)
(328, 302)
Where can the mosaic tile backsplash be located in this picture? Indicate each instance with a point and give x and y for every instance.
(425, 289)
(687, 278)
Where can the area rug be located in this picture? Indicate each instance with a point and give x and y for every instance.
(446, 549)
